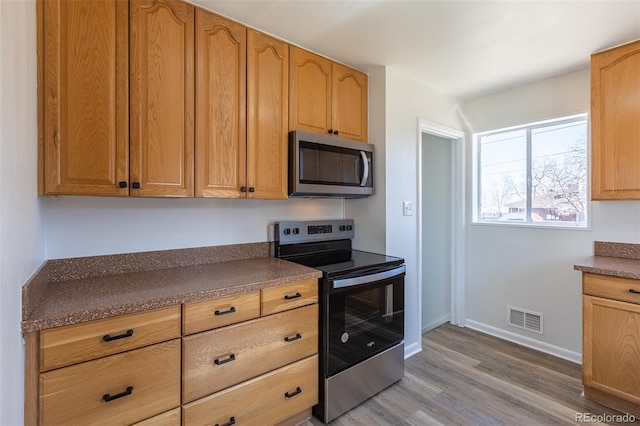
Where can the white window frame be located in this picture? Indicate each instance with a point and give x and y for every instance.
(475, 174)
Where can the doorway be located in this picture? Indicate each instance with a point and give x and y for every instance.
(441, 225)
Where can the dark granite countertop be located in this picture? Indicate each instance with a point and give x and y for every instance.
(613, 259)
(102, 293)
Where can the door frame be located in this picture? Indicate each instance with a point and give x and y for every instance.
(458, 222)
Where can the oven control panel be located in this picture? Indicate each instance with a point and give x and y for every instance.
(292, 232)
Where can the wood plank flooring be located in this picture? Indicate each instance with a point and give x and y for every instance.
(464, 377)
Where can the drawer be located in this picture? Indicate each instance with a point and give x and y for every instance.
(118, 389)
(220, 312)
(265, 400)
(221, 358)
(290, 296)
(170, 418)
(71, 344)
(624, 289)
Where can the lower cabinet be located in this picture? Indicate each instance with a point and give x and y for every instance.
(611, 342)
(118, 389)
(268, 399)
(246, 359)
(258, 371)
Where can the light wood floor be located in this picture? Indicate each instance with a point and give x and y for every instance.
(465, 377)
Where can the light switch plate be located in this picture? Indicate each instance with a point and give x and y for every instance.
(407, 208)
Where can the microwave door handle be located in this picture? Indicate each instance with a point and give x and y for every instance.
(365, 171)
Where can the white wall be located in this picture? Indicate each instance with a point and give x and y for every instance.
(21, 222)
(407, 102)
(86, 226)
(369, 213)
(533, 268)
(436, 231)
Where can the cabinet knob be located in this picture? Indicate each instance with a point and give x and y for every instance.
(135, 185)
(330, 131)
(243, 189)
(252, 189)
(122, 184)
(335, 132)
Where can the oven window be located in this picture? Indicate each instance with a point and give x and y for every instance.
(363, 321)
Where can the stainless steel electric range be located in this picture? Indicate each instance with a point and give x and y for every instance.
(361, 311)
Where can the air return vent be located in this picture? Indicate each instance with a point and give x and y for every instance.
(524, 319)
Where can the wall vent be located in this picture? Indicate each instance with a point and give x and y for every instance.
(527, 320)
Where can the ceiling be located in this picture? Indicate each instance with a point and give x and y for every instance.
(464, 49)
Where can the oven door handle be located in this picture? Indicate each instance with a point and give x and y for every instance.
(348, 282)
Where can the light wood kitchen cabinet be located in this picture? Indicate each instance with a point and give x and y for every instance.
(109, 369)
(267, 116)
(118, 389)
(327, 97)
(271, 398)
(262, 370)
(162, 91)
(615, 123)
(71, 344)
(116, 110)
(221, 73)
(611, 341)
(201, 316)
(220, 358)
(83, 112)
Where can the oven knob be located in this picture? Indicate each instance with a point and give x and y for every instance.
(296, 231)
(350, 228)
(343, 228)
(287, 231)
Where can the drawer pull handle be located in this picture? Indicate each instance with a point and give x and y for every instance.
(292, 394)
(231, 357)
(295, 296)
(232, 421)
(108, 338)
(108, 397)
(294, 338)
(229, 311)
(634, 291)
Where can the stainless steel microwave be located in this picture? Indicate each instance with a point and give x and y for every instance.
(328, 166)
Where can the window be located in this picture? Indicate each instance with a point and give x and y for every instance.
(534, 174)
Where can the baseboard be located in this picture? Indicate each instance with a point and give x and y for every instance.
(437, 323)
(412, 349)
(525, 341)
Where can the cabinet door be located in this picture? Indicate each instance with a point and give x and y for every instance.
(162, 105)
(309, 92)
(615, 123)
(267, 121)
(350, 103)
(221, 61)
(85, 97)
(611, 352)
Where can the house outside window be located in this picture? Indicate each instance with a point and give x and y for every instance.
(534, 174)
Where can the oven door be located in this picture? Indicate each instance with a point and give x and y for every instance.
(364, 316)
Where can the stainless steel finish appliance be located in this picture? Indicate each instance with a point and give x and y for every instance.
(328, 166)
(361, 311)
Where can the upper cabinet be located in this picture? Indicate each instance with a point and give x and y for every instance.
(267, 116)
(615, 123)
(161, 98)
(162, 105)
(84, 97)
(221, 73)
(327, 97)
